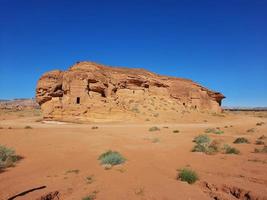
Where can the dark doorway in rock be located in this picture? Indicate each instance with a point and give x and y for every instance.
(78, 100)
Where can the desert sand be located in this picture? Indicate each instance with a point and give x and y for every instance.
(64, 158)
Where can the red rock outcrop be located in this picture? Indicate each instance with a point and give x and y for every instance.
(92, 92)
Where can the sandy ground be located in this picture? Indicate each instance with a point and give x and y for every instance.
(51, 150)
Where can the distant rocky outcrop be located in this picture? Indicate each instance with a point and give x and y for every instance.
(89, 91)
(19, 104)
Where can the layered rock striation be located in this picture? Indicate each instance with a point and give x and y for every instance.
(89, 91)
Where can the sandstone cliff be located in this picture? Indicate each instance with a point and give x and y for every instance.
(92, 92)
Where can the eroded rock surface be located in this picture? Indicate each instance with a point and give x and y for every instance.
(89, 91)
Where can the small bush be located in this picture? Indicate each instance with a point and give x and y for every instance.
(260, 123)
(263, 137)
(28, 127)
(187, 175)
(91, 196)
(251, 130)
(201, 139)
(154, 128)
(241, 140)
(75, 171)
(89, 179)
(1, 127)
(214, 130)
(7, 157)
(94, 127)
(230, 150)
(263, 150)
(112, 158)
(259, 142)
(176, 131)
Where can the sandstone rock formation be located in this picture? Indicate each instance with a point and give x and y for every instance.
(89, 91)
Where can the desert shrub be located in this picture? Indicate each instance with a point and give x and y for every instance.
(214, 130)
(187, 175)
(75, 171)
(201, 139)
(260, 123)
(91, 196)
(259, 142)
(263, 137)
(263, 150)
(251, 130)
(89, 179)
(156, 115)
(28, 127)
(208, 148)
(112, 158)
(9, 127)
(176, 131)
(200, 148)
(7, 157)
(241, 140)
(94, 127)
(1, 127)
(230, 150)
(154, 128)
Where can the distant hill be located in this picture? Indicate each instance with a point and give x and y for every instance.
(18, 104)
(245, 108)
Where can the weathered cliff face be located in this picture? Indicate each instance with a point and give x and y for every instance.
(93, 92)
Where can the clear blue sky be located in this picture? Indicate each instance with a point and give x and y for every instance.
(219, 44)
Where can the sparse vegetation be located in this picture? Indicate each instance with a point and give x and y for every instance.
(91, 196)
(176, 131)
(263, 137)
(263, 150)
(111, 158)
(154, 128)
(260, 123)
(187, 175)
(230, 150)
(201, 139)
(140, 191)
(89, 179)
(259, 142)
(94, 127)
(75, 171)
(28, 127)
(251, 130)
(214, 130)
(8, 157)
(241, 140)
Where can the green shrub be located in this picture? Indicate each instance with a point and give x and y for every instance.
(230, 150)
(112, 158)
(187, 175)
(91, 196)
(201, 139)
(241, 140)
(7, 157)
(214, 130)
(154, 128)
(176, 131)
(199, 148)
